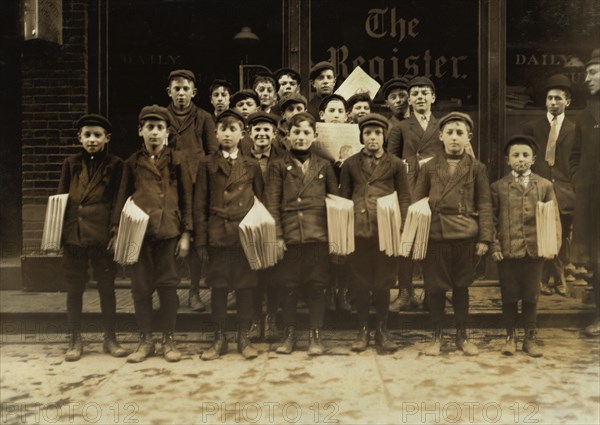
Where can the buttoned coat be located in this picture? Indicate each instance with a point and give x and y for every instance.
(297, 200)
(467, 192)
(194, 136)
(162, 189)
(558, 174)
(223, 196)
(364, 186)
(515, 232)
(91, 199)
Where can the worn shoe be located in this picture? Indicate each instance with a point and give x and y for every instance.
(593, 330)
(254, 332)
(75, 349)
(271, 333)
(530, 345)
(144, 350)
(170, 351)
(464, 345)
(194, 301)
(245, 347)
(510, 346)
(383, 340)
(289, 343)
(315, 346)
(562, 289)
(219, 347)
(112, 347)
(362, 340)
(402, 302)
(545, 289)
(343, 301)
(435, 346)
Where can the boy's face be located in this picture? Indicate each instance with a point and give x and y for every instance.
(93, 138)
(292, 109)
(324, 83)
(373, 137)
(359, 110)
(334, 112)
(397, 101)
(229, 134)
(245, 107)
(302, 136)
(592, 78)
(266, 93)
(421, 98)
(155, 133)
(287, 85)
(219, 99)
(556, 101)
(455, 135)
(181, 91)
(262, 134)
(520, 158)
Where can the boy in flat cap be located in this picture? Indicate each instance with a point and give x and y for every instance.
(395, 95)
(554, 135)
(359, 105)
(91, 178)
(264, 86)
(193, 134)
(333, 109)
(298, 184)
(226, 185)
(514, 199)
(220, 92)
(159, 183)
(367, 176)
(322, 79)
(288, 82)
(461, 226)
(288, 106)
(585, 173)
(245, 102)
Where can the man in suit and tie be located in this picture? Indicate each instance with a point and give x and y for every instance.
(554, 135)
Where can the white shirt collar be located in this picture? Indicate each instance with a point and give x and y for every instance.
(559, 118)
(232, 154)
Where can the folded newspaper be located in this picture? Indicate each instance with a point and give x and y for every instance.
(416, 230)
(389, 222)
(53, 222)
(258, 237)
(340, 224)
(132, 228)
(548, 229)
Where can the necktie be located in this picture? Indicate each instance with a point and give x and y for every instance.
(424, 122)
(551, 148)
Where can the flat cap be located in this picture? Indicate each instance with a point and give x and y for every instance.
(263, 116)
(358, 97)
(594, 58)
(220, 83)
(292, 98)
(456, 116)
(230, 113)
(244, 94)
(521, 139)
(155, 112)
(287, 71)
(331, 97)
(94, 120)
(320, 66)
(421, 81)
(558, 81)
(394, 83)
(182, 73)
(373, 119)
(264, 75)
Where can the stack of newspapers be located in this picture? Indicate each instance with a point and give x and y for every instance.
(389, 222)
(548, 229)
(340, 224)
(258, 237)
(53, 223)
(416, 230)
(132, 228)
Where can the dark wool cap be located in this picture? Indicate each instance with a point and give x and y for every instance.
(373, 119)
(292, 98)
(244, 94)
(287, 71)
(456, 116)
(421, 81)
(594, 59)
(220, 83)
(94, 120)
(262, 116)
(316, 70)
(521, 139)
(155, 112)
(392, 84)
(182, 73)
(230, 113)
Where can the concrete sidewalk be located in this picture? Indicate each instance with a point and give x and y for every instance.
(37, 386)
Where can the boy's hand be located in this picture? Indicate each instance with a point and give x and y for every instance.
(281, 248)
(202, 254)
(481, 248)
(111, 244)
(497, 256)
(183, 246)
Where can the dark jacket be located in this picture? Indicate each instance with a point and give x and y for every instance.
(91, 200)
(297, 200)
(222, 197)
(162, 189)
(514, 214)
(467, 192)
(559, 173)
(364, 187)
(194, 136)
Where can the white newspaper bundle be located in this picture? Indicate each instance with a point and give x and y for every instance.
(53, 223)
(389, 222)
(416, 230)
(548, 229)
(340, 224)
(258, 236)
(132, 228)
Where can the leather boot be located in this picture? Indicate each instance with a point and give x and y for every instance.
(75, 349)
(463, 343)
(194, 301)
(343, 303)
(245, 347)
(271, 332)
(362, 339)
(289, 342)
(530, 345)
(254, 332)
(112, 347)
(435, 346)
(383, 339)
(545, 289)
(315, 346)
(144, 349)
(170, 351)
(402, 302)
(510, 346)
(330, 299)
(218, 348)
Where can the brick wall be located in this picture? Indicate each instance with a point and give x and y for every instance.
(54, 95)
